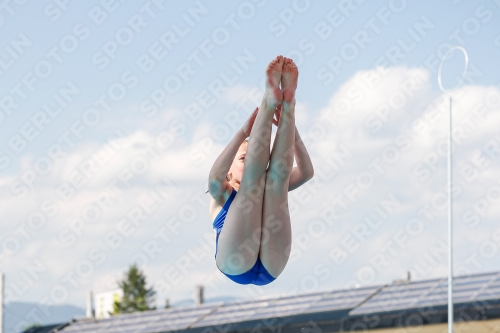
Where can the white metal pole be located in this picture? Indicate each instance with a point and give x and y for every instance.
(1, 301)
(450, 235)
(450, 207)
(90, 310)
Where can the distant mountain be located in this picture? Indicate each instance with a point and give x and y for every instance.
(18, 315)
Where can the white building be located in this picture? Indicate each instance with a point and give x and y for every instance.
(103, 302)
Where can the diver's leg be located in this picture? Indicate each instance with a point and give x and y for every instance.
(239, 240)
(276, 237)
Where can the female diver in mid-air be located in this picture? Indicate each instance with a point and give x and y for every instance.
(253, 238)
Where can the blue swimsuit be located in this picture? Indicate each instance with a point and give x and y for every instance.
(257, 274)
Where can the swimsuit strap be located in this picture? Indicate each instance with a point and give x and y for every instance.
(229, 200)
(221, 217)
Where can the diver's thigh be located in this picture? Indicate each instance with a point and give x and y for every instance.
(239, 239)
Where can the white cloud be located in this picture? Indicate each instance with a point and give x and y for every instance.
(396, 121)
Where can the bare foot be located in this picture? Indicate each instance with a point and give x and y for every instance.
(274, 75)
(289, 77)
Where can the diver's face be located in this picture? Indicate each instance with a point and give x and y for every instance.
(236, 171)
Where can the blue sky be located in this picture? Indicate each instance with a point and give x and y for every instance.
(375, 49)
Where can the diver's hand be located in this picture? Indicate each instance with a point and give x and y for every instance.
(277, 114)
(247, 127)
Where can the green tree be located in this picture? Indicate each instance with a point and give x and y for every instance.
(136, 297)
(28, 327)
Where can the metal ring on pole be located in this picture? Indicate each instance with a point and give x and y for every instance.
(442, 62)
